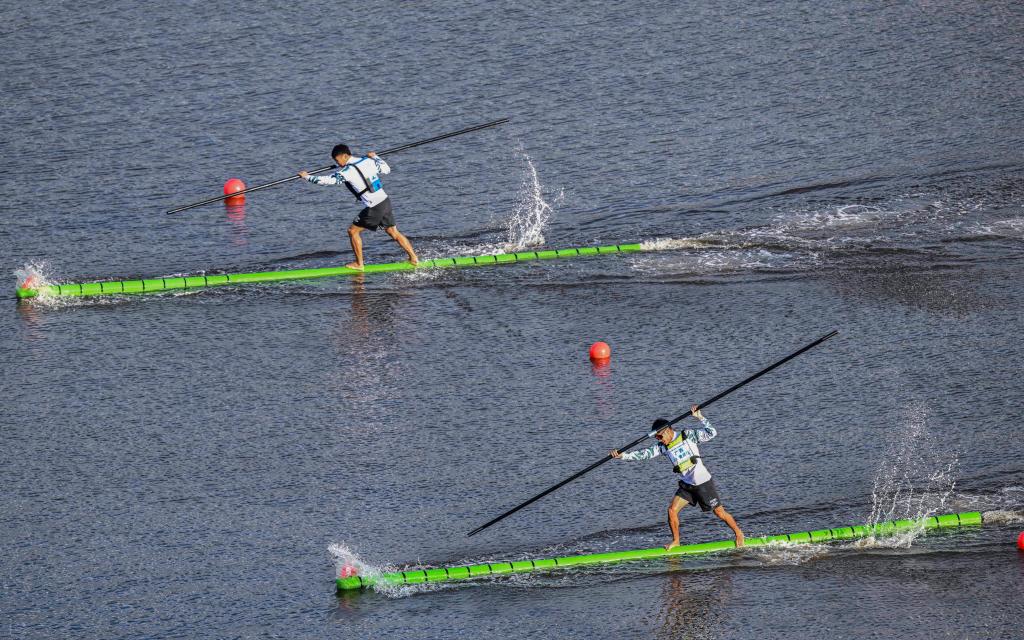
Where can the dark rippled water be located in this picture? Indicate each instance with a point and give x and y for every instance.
(193, 465)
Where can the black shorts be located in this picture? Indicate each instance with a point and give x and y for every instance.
(705, 494)
(376, 218)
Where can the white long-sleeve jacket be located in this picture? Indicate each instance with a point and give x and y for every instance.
(351, 176)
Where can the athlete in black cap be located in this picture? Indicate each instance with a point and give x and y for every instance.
(361, 175)
(695, 483)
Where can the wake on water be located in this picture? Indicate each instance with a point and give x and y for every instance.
(802, 237)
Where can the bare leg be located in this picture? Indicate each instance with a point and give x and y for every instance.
(357, 247)
(728, 519)
(403, 242)
(673, 520)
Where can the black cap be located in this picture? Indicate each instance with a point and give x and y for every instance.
(660, 424)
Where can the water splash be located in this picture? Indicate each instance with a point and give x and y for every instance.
(33, 275)
(524, 227)
(532, 213)
(36, 275)
(345, 560)
(915, 479)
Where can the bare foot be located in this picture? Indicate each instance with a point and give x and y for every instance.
(672, 545)
(739, 539)
(413, 259)
(358, 266)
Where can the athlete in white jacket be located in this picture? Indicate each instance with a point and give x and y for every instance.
(362, 177)
(695, 483)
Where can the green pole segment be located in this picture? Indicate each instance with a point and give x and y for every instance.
(156, 285)
(446, 574)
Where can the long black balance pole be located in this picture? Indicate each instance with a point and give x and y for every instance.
(651, 434)
(332, 166)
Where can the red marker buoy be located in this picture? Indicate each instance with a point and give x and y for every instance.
(600, 351)
(347, 571)
(1020, 541)
(234, 185)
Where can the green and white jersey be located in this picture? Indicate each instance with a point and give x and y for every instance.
(683, 453)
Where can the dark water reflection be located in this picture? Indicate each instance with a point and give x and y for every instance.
(694, 605)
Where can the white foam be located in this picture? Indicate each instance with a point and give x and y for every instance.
(851, 216)
(900, 540)
(674, 244)
(714, 254)
(786, 553)
(1009, 228)
(1002, 516)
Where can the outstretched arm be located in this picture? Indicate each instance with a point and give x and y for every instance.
(639, 454)
(328, 180)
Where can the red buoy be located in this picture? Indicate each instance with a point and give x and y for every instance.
(234, 185)
(600, 351)
(347, 571)
(1020, 541)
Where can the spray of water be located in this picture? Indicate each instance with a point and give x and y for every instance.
(915, 479)
(524, 228)
(532, 213)
(348, 563)
(32, 275)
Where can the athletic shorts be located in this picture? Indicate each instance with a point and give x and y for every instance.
(704, 494)
(376, 218)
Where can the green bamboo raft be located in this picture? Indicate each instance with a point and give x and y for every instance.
(156, 285)
(445, 574)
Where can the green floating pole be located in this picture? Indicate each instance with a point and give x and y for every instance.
(157, 285)
(525, 566)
